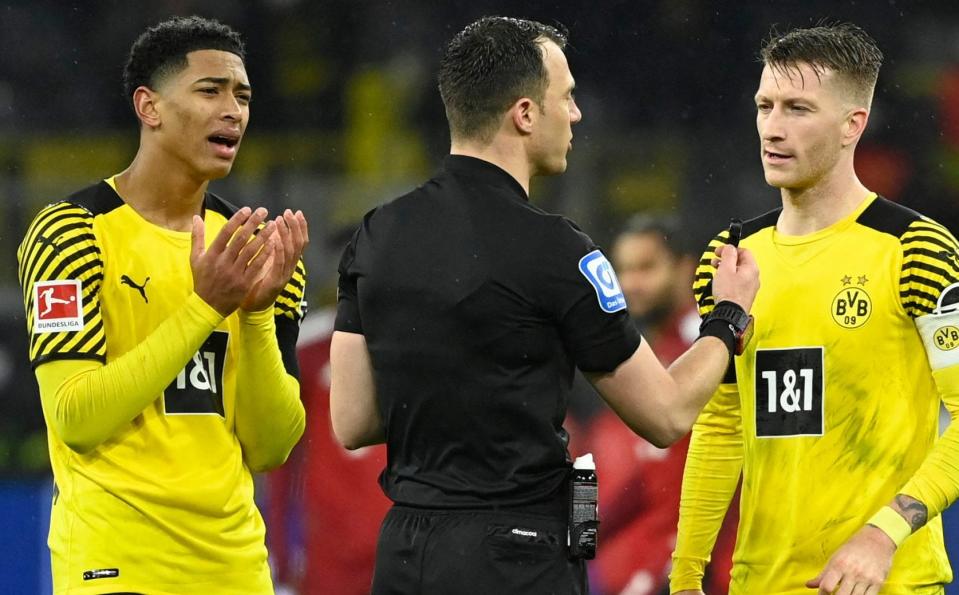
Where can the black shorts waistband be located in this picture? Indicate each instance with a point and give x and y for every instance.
(549, 511)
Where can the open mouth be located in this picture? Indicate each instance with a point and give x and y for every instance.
(226, 141)
(224, 144)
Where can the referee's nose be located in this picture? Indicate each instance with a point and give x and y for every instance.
(575, 115)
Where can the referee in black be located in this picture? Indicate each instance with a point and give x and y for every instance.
(462, 311)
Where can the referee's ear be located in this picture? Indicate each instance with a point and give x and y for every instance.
(144, 104)
(522, 115)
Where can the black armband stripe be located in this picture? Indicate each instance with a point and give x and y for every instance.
(289, 295)
(287, 311)
(287, 332)
(703, 276)
(296, 282)
(287, 301)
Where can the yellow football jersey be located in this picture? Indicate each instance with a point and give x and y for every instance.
(166, 504)
(837, 403)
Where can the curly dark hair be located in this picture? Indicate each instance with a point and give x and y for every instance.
(161, 50)
(843, 48)
(488, 66)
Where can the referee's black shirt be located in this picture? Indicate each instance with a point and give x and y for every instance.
(475, 306)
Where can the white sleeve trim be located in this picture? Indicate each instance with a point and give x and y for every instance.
(940, 336)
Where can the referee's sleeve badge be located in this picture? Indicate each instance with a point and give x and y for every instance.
(599, 272)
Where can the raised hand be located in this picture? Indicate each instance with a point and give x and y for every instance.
(737, 276)
(289, 241)
(226, 272)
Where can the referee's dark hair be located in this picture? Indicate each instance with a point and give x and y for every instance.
(487, 67)
(843, 48)
(161, 50)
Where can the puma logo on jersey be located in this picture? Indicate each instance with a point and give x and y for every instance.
(125, 280)
(48, 242)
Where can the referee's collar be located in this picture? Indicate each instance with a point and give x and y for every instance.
(483, 171)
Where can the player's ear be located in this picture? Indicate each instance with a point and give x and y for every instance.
(854, 125)
(145, 106)
(523, 115)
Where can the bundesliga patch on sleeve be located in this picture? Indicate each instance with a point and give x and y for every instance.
(600, 275)
(57, 306)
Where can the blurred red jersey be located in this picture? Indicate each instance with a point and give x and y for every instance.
(325, 505)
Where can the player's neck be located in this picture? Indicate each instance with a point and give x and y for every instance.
(161, 194)
(812, 209)
(503, 155)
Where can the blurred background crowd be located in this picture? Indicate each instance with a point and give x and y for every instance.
(346, 115)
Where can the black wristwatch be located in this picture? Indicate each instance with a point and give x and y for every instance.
(729, 317)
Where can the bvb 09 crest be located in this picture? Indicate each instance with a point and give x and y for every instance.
(946, 338)
(852, 306)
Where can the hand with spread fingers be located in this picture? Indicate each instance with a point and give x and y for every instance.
(225, 273)
(289, 240)
(859, 567)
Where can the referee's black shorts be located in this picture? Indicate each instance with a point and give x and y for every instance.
(433, 552)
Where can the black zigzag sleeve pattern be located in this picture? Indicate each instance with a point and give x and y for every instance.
(930, 264)
(703, 282)
(60, 245)
(290, 304)
(289, 310)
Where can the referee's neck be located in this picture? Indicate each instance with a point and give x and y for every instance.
(510, 159)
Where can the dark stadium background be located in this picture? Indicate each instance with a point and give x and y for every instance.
(346, 114)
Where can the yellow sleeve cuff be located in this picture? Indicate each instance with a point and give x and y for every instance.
(687, 574)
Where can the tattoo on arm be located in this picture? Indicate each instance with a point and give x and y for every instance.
(914, 511)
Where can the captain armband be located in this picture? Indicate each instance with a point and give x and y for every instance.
(940, 330)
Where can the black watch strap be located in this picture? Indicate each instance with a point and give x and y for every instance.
(721, 330)
(729, 322)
